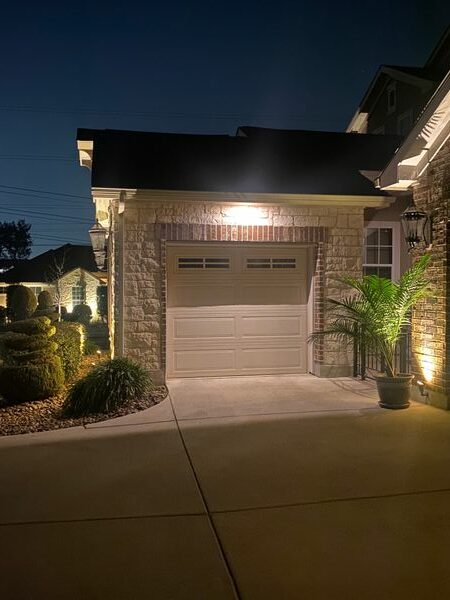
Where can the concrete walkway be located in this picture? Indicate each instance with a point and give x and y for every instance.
(254, 488)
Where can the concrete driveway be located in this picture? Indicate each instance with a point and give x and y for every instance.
(254, 488)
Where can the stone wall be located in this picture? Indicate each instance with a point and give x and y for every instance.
(143, 266)
(75, 278)
(430, 330)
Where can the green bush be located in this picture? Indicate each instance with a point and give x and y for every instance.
(32, 370)
(45, 300)
(9, 294)
(69, 337)
(90, 347)
(23, 303)
(82, 313)
(102, 301)
(35, 326)
(25, 383)
(3, 315)
(107, 387)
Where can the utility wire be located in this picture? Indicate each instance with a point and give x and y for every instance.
(13, 187)
(43, 215)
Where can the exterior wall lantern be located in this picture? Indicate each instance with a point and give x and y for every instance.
(416, 226)
(98, 241)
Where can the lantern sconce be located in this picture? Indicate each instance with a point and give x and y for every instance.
(98, 240)
(417, 227)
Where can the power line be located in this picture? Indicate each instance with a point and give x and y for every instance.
(63, 200)
(31, 157)
(45, 215)
(13, 187)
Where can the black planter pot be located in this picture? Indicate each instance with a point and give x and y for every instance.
(394, 392)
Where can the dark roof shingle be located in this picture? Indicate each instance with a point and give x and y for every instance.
(256, 160)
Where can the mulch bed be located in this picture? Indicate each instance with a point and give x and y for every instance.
(45, 415)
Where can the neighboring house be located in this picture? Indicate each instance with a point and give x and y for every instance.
(68, 272)
(398, 94)
(222, 249)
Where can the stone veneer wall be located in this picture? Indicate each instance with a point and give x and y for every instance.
(143, 255)
(430, 329)
(79, 277)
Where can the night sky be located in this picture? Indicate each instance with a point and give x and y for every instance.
(194, 67)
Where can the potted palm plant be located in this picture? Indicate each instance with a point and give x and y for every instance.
(376, 312)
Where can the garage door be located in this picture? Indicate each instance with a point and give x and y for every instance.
(236, 310)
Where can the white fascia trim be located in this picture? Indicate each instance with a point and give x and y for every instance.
(358, 123)
(422, 144)
(246, 198)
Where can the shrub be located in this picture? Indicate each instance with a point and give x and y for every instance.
(45, 300)
(3, 315)
(25, 383)
(90, 347)
(35, 326)
(107, 387)
(102, 301)
(9, 294)
(32, 371)
(69, 337)
(23, 303)
(82, 313)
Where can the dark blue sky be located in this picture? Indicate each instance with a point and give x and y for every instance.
(204, 67)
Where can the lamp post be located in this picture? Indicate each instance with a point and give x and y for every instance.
(414, 222)
(98, 241)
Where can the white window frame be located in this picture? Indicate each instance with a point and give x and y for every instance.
(83, 301)
(395, 226)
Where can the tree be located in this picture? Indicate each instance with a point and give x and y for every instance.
(15, 239)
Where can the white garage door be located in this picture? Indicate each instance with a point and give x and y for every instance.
(236, 310)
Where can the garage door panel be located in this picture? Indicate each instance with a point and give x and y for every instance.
(195, 362)
(203, 294)
(272, 293)
(204, 327)
(271, 326)
(271, 359)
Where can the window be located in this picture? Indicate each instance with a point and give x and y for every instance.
(380, 251)
(391, 97)
(203, 263)
(3, 289)
(271, 263)
(78, 295)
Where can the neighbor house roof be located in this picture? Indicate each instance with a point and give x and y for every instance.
(255, 160)
(44, 266)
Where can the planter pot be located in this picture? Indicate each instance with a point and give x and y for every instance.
(394, 392)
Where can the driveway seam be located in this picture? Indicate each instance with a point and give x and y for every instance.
(332, 501)
(218, 541)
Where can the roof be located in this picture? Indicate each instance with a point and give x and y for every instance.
(256, 160)
(42, 267)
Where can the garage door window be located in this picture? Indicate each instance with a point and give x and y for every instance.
(199, 262)
(271, 263)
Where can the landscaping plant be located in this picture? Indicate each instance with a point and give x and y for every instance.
(377, 311)
(107, 387)
(22, 303)
(31, 369)
(70, 339)
(82, 313)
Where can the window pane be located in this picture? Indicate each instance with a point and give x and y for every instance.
(371, 237)
(386, 256)
(385, 272)
(371, 256)
(386, 237)
(370, 270)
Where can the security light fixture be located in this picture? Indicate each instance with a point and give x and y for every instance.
(98, 241)
(414, 223)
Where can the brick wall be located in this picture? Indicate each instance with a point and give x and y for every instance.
(335, 233)
(430, 329)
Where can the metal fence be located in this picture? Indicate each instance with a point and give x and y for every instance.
(368, 363)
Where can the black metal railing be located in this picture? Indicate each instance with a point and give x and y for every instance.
(367, 361)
